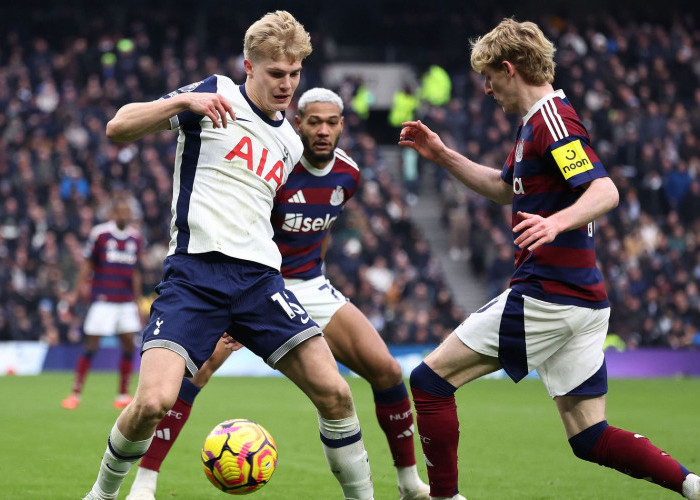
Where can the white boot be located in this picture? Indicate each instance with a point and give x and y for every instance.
(411, 487)
(691, 487)
(144, 485)
(99, 494)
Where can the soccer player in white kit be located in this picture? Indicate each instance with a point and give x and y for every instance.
(222, 270)
(554, 316)
(305, 208)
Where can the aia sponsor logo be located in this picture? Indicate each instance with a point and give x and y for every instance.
(256, 160)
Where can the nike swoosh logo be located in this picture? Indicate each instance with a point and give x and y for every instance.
(243, 120)
(113, 470)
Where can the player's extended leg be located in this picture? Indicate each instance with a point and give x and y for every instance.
(313, 369)
(160, 377)
(126, 367)
(592, 439)
(357, 344)
(433, 384)
(145, 482)
(90, 344)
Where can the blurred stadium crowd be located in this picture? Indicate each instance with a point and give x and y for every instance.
(635, 84)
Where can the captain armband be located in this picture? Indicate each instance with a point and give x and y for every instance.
(572, 159)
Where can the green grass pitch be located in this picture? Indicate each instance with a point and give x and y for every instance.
(512, 444)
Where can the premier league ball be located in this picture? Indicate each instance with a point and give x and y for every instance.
(239, 456)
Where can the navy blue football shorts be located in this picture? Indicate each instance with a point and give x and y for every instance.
(202, 296)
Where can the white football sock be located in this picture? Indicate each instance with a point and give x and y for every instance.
(346, 455)
(115, 465)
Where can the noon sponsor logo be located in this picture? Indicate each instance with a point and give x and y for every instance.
(571, 167)
(572, 159)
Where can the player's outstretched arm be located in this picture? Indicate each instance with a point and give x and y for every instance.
(480, 178)
(136, 120)
(221, 353)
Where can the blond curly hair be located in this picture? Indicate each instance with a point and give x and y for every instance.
(521, 43)
(276, 35)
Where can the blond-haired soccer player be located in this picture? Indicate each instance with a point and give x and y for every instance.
(554, 316)
(305, 208)
(222, 270)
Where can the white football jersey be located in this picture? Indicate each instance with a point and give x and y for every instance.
(225, 179)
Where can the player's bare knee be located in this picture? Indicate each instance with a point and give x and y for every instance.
(151, 408)
(387, 376)
(336, 402)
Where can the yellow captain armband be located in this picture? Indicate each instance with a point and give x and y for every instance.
(572, 159)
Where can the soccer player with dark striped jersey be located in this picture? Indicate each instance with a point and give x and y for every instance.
(554, 316)
(222, 269)
(305, 208)
(112, 265)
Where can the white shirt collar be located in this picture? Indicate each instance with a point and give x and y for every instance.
(318, 172)
(557, 93)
